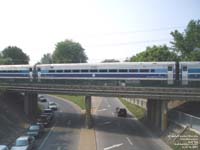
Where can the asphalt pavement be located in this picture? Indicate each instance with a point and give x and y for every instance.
(116, 133)
(64, 133)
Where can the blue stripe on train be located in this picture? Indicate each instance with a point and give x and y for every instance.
(194, 76)
(107, 75)
(13, 75)
(193, 70)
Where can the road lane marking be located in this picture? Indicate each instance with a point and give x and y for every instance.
(44, 141)
(102, 109)
(69, 123)
(59, 148)
(107, 122)
(113, 113)
(129, 141)
(113, 146)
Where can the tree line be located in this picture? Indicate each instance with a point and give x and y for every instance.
(185, 47)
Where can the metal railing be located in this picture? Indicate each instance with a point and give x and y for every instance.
(185, 119)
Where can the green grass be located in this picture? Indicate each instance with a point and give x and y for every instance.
(137, 111)
(78, 100)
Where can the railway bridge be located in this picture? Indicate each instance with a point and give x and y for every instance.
(157, 97)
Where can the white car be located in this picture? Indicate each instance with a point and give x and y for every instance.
(3, 147)
(24, 143)
(53, 106)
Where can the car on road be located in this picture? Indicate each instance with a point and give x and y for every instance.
(121, 112)
(3, 147)
(53, 106)
(48, 112)
(43, 120)
(42, 99)
(24, 143)
(35, 130)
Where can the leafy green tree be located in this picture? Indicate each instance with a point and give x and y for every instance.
(14, 55)
(47, 59)
(155, 53)
(110, 60)
(186, 43)
(69, 52)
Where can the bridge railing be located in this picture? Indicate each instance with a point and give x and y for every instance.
(185, 119)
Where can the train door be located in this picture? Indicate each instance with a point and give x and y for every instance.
(184, 75)
(39, 74)
(170, 80)
(31, 74)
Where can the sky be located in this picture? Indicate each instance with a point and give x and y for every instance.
(106, 29)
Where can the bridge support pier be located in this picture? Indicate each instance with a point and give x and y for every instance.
(88, 116)
(157, 113)
(30, 103)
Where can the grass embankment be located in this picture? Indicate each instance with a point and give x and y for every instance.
(78, 100)
(137, 111)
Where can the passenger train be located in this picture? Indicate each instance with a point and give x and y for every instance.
(170, 73)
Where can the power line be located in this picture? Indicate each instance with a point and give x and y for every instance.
(130, 43)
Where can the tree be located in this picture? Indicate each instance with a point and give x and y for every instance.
(155, 53)
(14, 55)
(186, 43)
(69, 52)
(47, 59)
(110, 60)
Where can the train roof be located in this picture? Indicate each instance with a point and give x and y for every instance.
(107, 64)
(15, 66)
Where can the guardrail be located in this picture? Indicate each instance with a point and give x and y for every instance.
(185, 119)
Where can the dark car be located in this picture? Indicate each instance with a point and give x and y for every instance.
(122, 112)
(35, 130)
(43, 120)
(48, 112)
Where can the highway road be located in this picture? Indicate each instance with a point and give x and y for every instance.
(64, 134)
(116, 133)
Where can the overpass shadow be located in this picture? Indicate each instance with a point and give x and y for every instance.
(113, 125)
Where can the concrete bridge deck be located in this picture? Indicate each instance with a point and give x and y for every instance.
(158, 93)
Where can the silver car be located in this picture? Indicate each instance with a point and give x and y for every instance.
(3, 147)
(24, 143)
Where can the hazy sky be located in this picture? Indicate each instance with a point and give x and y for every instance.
(105, 28)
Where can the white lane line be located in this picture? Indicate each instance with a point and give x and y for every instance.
(107, 122)
(44, 141)
(113, 146)
(69, 123)
(102, 109)
(129, 141)
(59, 148)
(113, 113)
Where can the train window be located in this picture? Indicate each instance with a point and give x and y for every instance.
(10, 71)
(123, 70)
(184, 68)
(103, 70)
(93, 70)
(112, 70)
(51, 71)
(152, 70)
(38, 69)
(84, 70)
(30, 69)
(170, 68)
(133, 70)
(75, 70)
(59, 71)
(144, 70)
(67, 70)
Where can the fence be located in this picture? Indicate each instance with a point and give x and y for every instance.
(185, 119)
